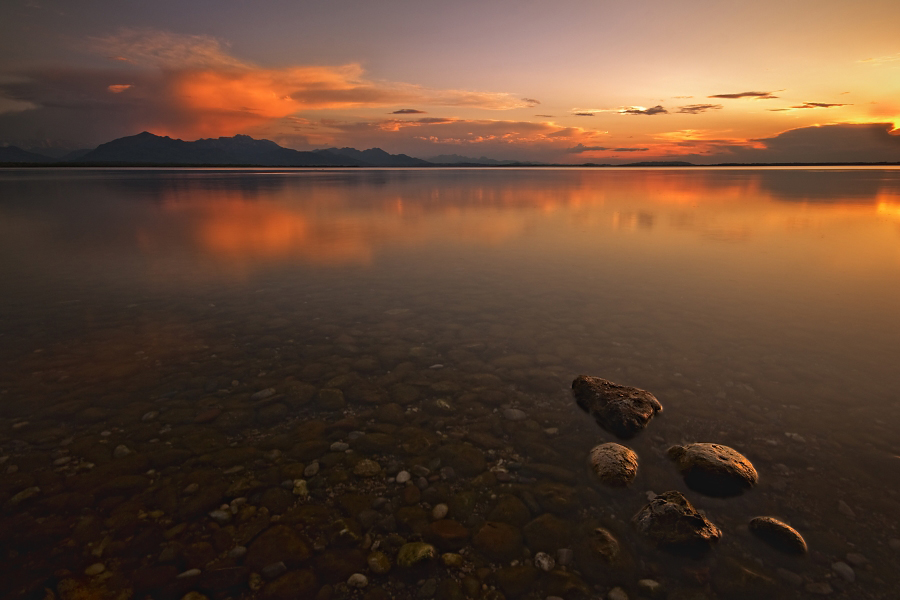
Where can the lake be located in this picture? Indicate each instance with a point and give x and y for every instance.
(220, 381)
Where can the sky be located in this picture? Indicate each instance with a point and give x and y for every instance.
(569, 81)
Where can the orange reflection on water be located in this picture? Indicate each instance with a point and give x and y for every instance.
(346, 220)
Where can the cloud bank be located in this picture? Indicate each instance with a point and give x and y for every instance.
(190, 86)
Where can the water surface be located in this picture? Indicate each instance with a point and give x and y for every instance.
(146, 310)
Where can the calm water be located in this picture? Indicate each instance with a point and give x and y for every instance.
(146, 313)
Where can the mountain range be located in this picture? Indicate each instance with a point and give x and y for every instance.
(149, 149)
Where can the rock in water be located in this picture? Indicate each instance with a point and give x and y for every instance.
(779, 535)
(713, 469)
(619, 409)
(670, 521)
(614, 464)
(415, 553)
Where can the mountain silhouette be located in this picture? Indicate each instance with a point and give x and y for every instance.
(147, 148)
(14, 154)
(378, 157)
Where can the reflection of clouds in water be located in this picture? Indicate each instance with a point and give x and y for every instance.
(228, 222)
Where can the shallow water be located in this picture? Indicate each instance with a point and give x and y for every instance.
(143, 312)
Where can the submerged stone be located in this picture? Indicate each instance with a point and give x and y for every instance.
(414, 553)
(670, 521)
(614, 464)
(619, 409)
(778, 534)
(713, 469)
(498, 541)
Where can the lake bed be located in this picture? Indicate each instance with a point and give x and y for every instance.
(259, 383)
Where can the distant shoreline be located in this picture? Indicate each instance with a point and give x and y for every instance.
(69, 165)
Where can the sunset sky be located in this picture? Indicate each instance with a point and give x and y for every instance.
(569, 81)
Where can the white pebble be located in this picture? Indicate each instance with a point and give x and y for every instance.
(617, 593)
(220, 516)
(440, 511)
(189, 573)
(403, 477)
(544, 561)
(95, 569)
(121, 451)
(649, 586)
(844, 570)
(358, 580)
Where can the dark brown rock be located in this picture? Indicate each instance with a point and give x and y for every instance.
(448, 534)
(296, 585)
(548, 533)
(278, 544)
(619, 409)
(465, 460)
(713, 469)
(499, 541)
(510, 509)
(516, 581)
(338, 564)
(670, 521)
(778, 534)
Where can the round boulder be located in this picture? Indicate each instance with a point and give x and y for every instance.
(713, 469)
(778, 534)
(613, 464)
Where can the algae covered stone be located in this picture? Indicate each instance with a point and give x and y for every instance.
(714, 469)
(619, 409)
(414, 553)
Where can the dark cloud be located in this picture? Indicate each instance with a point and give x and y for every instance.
(755, 95)
(818, 105)
(844, 142)
(545, 116)
(636, 110)
(531, 101)
(693, 109)
(433, 120)
(578, 149)
(408, 111)
(583, 114)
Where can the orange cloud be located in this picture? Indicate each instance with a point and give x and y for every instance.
(207, 92)
(118, 88)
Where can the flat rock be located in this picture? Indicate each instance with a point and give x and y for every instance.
(614, 464)
(498, 541)
(619, 409)
(296, 584)
(713, 469)
(669, 520)
(778, 534)
(278, 544)
(466, 460)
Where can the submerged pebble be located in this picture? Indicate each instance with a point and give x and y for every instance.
(778, 534)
